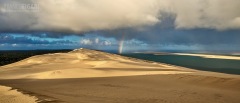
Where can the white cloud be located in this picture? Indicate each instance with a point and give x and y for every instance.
(14, 45)
(107, 43)
(86, 42)
(96, 40)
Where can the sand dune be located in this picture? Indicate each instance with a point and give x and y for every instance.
(89, 76)
(81, 63)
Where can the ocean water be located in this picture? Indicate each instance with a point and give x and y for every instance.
(194, 62)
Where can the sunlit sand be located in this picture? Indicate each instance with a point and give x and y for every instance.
(13, 96)
(82, 63)
(90, 76)
(211, 56)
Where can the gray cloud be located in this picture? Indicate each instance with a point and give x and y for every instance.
(80, 16)
(91, 15)
(213, 14)
(162, 35)
(10, 20)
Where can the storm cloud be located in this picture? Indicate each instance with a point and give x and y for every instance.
(206, 23)
(91, 15)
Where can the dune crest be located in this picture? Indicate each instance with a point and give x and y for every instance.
(91, 76)
(82, 63)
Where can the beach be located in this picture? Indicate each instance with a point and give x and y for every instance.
(232, 57)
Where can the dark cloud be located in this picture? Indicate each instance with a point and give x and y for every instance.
(165, 33)
(90, 15)
(168, 22)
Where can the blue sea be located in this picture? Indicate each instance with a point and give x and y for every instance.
(194, 62)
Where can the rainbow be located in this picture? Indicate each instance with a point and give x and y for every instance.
(121, 44)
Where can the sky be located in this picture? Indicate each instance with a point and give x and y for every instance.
(120, 25)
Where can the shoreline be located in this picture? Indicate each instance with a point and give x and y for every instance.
(210, 56)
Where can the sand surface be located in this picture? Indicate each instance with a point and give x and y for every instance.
(87, 76)
(7, 95)
(210, 56)
(82, 64)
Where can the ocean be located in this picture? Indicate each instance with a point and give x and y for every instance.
(194, 62)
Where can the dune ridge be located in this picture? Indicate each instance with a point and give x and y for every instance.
(82, 63)
(90, 76)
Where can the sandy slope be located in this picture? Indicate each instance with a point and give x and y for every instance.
(13, 96)
(82, 63)
(88, 76)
